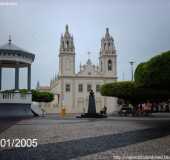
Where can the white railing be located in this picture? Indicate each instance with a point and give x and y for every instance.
(15, 97)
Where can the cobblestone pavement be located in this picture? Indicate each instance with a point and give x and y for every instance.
(87, 139)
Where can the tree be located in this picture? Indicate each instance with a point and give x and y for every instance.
(154, 73)
(129, 91)
(118, 89)
(152, 82)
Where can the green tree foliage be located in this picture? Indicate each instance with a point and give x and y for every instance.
(155, 73)
(140, 73)
(129, 91)
(152, 82)
(118, 89)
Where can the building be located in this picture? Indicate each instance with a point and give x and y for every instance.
(71, 89)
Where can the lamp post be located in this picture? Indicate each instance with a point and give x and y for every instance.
(131, 64)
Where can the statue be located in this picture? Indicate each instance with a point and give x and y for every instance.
(91, 113)
(92, 104)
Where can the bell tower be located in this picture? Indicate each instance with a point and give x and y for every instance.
(107, 59)
(67, 54)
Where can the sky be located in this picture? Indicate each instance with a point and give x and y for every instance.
(140, 28)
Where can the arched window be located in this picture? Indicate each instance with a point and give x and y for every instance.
(109, 65)
(109, 45)
(104, 45)
(101, 66)
(67, 44)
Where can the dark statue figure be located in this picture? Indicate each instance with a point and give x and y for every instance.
(92, 104)
(91, 113)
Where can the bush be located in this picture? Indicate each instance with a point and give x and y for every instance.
(42, 96)
(155, 73)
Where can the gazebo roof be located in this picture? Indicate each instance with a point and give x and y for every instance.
(11, 46)
(11, 53)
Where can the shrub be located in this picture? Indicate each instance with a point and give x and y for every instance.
(42, 96)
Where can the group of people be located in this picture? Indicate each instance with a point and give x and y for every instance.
(144, 108)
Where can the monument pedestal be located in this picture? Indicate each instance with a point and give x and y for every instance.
(87, 115)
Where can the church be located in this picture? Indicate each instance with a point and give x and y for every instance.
(71, 89)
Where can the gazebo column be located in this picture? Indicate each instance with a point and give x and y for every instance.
(29, 77)
(17, 78)
(0, 78)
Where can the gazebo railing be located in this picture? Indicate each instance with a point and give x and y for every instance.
(15, 97)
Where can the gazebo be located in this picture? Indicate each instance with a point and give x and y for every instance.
(12, 102)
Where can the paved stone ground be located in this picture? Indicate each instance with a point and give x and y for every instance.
(88, 139)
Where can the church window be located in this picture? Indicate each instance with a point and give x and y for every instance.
(67, 44)
(67, 88)
(109, 65)
(104, 45)
(80, 87)
(101, 66)
(63, 44)
(109, 45)
(97, 88)
(89, 87)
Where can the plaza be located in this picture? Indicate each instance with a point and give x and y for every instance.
(87, 139)
(90, 81)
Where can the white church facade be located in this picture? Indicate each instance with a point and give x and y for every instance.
(71, 89)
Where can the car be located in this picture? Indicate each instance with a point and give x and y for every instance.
(125, 111)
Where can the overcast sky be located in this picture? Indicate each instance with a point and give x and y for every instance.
(140, 28)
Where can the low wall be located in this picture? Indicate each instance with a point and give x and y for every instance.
(15, 97)
(15, 110)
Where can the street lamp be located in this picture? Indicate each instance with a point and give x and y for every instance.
(131, 64)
